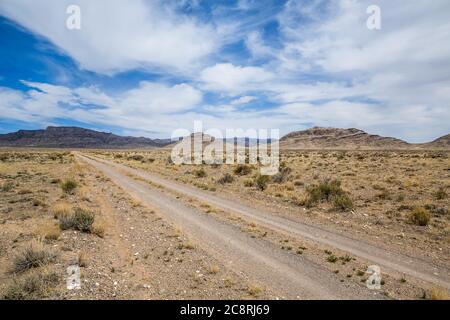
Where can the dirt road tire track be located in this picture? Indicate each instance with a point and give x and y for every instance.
(393, 262)
(291, 275)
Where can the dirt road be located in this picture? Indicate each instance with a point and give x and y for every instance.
(389, 261)
(292, 275)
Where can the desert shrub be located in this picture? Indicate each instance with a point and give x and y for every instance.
(439, 294)
(33, 256)
(242, 170)
(55, 181)
(420, 217)
(200, 173)
(328, 191)
(8, 186)
(61, 209)
(226, 178)
(298, 183)
(248, 183)
(118, 156)
(283, 174)
(261, 182)
(324, 191)
(332, 258)
(69, 185)
(136, 157)
(80, 219)
(441, 194)
(33, 286)
(343, 202)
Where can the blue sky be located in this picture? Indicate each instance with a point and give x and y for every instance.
(146, 68)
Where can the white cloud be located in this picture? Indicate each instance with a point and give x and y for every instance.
(233, 79)
(409, 54)
(243, 100)
(118, 35)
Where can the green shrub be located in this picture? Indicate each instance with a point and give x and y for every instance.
(200, 173)
(226, 178)
(261, 182)
(332, 258)
(343, 202)
(242, 170)
(81, 220)
(327, 190)
(69, 185)
(420, 217)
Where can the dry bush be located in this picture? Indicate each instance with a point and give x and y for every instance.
(343, 202)
(50, 231)
(213, 269)
(200, 173)
(7, 186)
(226, 178)
(420, 217)
(61, 209)
(34, 286)
(440, 194)
(242, 170)
(254, 290)
(82, 259)
(261, 182)
(69, 185)
(81, 220)
(98, 228)
(439, 294)
(33, 256)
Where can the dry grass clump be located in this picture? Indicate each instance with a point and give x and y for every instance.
(200, 173)
(81, 219)
(440, 194)
(61, 209)
(343, 202)
(34, 286)
(439, 294)
(261, 182)
(420, 217)
(7, 186)
(69, 185)
(50, 231)
(99, 229)
(328, 191)
(33, 256)
(242, 170)
(226, 178)
(254, 290)
(213, 269)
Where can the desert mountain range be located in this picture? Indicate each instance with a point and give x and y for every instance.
(315, 138)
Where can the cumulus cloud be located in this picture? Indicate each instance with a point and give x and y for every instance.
(233, 79)
(118, 35)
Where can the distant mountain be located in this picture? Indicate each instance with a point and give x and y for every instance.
(74, 137)
(332, 138)
(441, 143)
